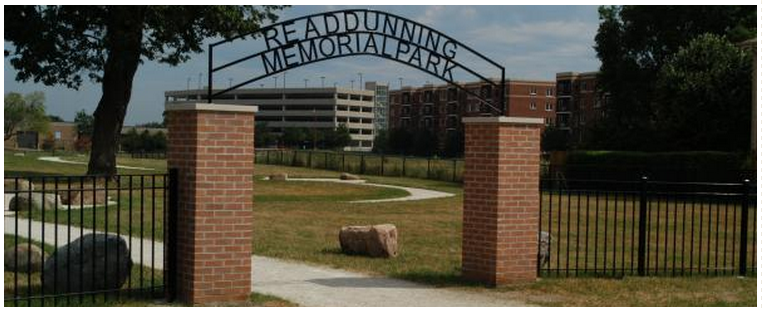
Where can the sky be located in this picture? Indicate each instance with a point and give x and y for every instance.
(531, 42)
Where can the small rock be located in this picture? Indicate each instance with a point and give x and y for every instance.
(24, 258)
(348, 176)
(88, 196)
(374, 241)
(279, 177)
(87, 256)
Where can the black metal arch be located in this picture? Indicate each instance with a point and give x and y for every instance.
(485, 100)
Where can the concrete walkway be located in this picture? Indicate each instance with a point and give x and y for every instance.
(304, 284)
(59, 160)
(414, 193)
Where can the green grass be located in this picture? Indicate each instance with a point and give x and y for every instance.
(637, 292)
(306, 229)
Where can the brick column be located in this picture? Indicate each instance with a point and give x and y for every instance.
(501, 199)
(212, 147)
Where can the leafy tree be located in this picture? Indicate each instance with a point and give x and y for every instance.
(293, 136)
(554, 139)
(454, 143)
(152, 125)
(263, 136)
(84, 123)
(633, 44)
(400, 141)
(381, 142)
(25, 113)
(65, 44)
(425, 143)
(704, 96)
(339, 137)
(55, 118)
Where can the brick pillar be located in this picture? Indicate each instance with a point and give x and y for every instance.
(212, 147)
(501, 199)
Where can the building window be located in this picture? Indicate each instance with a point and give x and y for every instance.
(548, 106)
(427, 96)
(548, 121)
(584, 86)
(57, 135)
(427, 122)
(406, 111)
(532, 105)
(406, 98)
(549, 92)
(452, 94)
(427, 109)
(532, 90)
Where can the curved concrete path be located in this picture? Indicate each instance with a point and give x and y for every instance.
(414, 193)
(59, 160)
(304, 284)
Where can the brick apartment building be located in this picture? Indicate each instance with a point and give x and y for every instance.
(440, 108)
(580, 104)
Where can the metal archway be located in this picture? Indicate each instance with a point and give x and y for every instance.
(343, 33)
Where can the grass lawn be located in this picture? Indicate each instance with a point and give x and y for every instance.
(301, 222)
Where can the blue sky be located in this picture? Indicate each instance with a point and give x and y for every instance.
(531, 42)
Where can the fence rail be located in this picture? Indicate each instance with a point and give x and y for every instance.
(367, 163)
(75, 220)
(647, 228)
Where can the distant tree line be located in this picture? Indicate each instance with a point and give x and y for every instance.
(143, 142)
(303, 138)
(419, 142)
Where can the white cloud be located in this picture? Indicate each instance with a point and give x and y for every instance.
(537, 31)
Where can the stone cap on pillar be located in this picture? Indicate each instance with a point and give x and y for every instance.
(506, 120)
(210, 107)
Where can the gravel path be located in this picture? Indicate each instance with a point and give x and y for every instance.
(304, 284)
(415, 193)
(59, 160)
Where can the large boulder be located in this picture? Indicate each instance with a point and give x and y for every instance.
(24, 257)
(10, 185)
(20, 202)
(374, 241)
(88, 196)
(87, 257)
(348, 176)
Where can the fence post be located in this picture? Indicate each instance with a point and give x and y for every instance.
(454, 169)
(281, 158)
(362, 164)
(268, 156)
(382, 164)
(428, 168)
(293, 159)
(309, 159)
(342, 162)
(403, 166)
(744, 228)
(170, 270)
(326, 160)
(642, 226)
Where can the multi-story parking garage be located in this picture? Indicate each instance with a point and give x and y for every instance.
(301, 108)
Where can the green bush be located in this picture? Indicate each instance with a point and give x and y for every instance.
(674, 166)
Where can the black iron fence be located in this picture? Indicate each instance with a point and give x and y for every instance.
(647, 228)
(366, 163)
(148, 155)
(74, 240)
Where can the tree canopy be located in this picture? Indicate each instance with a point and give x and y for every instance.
(64, 45)
(25, 113)
(633, 44)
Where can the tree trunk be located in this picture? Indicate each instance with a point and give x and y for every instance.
(124, 34)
